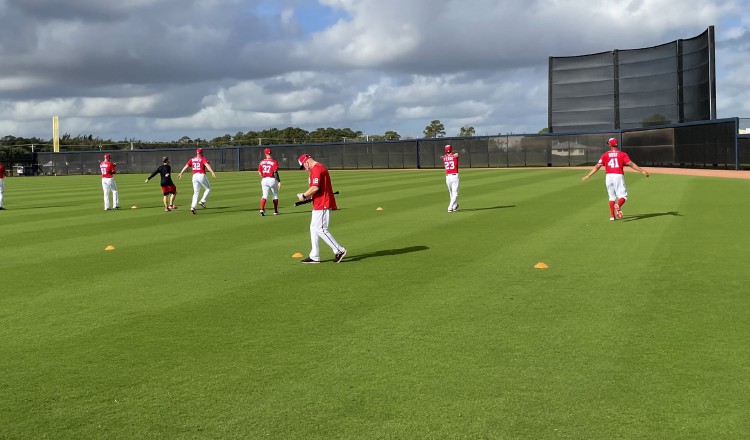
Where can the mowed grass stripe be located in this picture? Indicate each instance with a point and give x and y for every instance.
(436, 325)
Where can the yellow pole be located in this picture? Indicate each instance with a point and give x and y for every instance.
(55, 134)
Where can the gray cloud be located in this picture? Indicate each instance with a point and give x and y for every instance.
(160, 69)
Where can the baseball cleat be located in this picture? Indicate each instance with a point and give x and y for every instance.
(203, 204)
(192, 210)
(618, 212)
(276, 213)
(611, 219)
(166, 209)
(262, 213)
(310, 261)
(340, 256)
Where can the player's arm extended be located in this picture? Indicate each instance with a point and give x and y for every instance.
(179, 176)
(208, 167)
(593, 170)
(635, 166)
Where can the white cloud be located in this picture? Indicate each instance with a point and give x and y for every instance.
(158, 69)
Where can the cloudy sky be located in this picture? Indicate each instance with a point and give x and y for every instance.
(162, 69)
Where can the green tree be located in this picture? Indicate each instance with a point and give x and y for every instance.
(467, 131)
(392, 136)
(434, 130)
(545, 130)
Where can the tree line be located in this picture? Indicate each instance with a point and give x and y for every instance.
(271, 136)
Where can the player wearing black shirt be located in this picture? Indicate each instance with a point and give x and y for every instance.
(168, 187)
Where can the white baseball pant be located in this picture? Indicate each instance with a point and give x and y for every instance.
(616, 187)
(109, 185)
(2, 191)
(319, 229)
(269, 184)
(200, 179)
(452, 181)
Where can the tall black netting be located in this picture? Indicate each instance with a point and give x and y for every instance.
(635, 88)
(582, 92)
(648, 86)
(696, 77)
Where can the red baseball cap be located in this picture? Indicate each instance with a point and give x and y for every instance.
(448, 148)
(302, 160)
(267, 151)
(199, 151)
(107, 156)
(612, 142)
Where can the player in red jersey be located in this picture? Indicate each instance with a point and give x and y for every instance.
(199, 165)
(450, 161)
(323, 200)
(268, 169)
(107, 168)
(2, 184)
(614, 162)
(168, 187)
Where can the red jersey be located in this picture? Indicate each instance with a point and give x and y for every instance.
(268, 167)
(614, 161)
(107, 169)
(323, 198)
(450, 161)
(198, 164)
(2, 171)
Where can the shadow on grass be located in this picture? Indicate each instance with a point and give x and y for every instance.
(484, 209)
(630, 218)
(385, 253)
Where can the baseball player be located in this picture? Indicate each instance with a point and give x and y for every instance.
(323, 200)
(2, 185)
(450, 161)
(107, 168)
(199, 165)
(268, 169)
(168, 187)
(613, 162)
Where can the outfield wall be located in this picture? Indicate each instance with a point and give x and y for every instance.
(707, 144)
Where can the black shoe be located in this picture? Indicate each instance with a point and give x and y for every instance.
(192, 210)
(203, 204)
(310, 261)
(117, 207)
(340, 256)
(2, 209)
(262, 213)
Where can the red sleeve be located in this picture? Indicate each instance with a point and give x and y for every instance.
(315, 177)
(625, 158)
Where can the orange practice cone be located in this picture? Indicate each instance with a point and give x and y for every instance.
(541, 266)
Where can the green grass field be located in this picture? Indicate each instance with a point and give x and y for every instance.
(435, 326)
